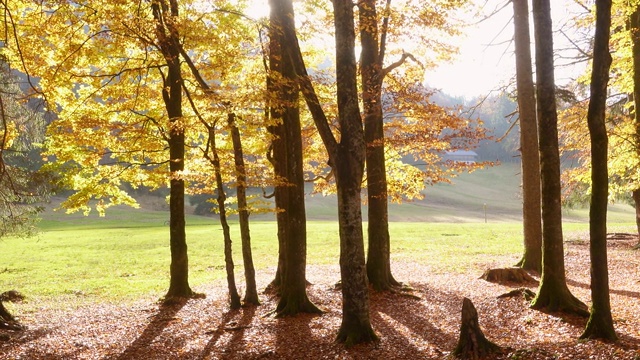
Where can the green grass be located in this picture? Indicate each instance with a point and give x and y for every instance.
(125, 255)
(127, 258)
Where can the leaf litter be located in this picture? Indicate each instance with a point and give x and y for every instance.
(425, 327)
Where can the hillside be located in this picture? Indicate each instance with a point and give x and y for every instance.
(495, 189)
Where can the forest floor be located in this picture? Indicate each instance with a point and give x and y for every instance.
(425, 327)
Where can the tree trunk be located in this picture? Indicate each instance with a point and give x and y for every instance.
(168, 42)
(347, 160)
(472, 343)
(349, 170)
(234, 298)
(600, 323)
(7, 321)
(531, 207)
(251, 293)
(636, 203)
(378, 255)
(288, 166)
(553, 294)
(634, 24)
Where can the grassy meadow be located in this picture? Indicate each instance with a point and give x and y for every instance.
(125, 255)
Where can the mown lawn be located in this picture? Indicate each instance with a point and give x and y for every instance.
(125, 255)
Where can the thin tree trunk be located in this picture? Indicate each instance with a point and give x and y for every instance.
(600, 323)
(234, 298)
(553, 294)
(251, 294)
(636, 202)
(378, 255)
(634, 24)
(531, 202)
(172, 94)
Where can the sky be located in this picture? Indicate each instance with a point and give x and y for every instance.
(485, 62)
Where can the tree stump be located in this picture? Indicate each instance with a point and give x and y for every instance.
(472, 343)
(513, 275)
(7, 321)
(527, 294)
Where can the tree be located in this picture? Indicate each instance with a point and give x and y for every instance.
(530, 159)
(112, 128)
(251, 292)
(553, 293)
(211, 153)
(288, 167)
(600, 323)
(168, 41)
(346, 158)
(22, 183)
(372, 74)
(634, 25)
(348, 161)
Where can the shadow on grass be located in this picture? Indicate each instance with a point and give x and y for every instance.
(160, 321)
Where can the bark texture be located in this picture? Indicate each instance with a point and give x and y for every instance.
(508, 275)
(251, 293)
(371, 57)
(347, 160)
(600, 323)
(553, 294)
(288, 166)
(169, 42)
(472, 343)
(7, 320)
(530, 159)
(349, 169)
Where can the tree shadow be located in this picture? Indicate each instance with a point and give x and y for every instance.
(300, 325)
(416, 322)
(166, 314)
(20, 338)
(627, 293)
(228, 324)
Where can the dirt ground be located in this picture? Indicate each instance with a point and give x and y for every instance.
(409, 328)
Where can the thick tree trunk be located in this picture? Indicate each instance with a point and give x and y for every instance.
(531, 202)
(168, 42)
(234, 298)
(472, 343)
(251, 294)
(553, 294)
(7, 321)
(349, 169)
(378, 255)
(600, 323)
(288, 166)
(347, 160)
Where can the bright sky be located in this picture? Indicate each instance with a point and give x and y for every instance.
(481, 67)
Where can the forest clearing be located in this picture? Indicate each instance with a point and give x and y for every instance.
(424, 325)
(244, 109)
(97, 295)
